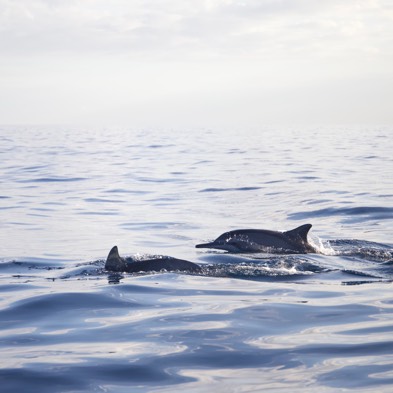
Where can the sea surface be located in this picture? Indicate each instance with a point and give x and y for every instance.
(248, 322)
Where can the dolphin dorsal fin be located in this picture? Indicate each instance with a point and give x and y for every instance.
(114, 262)
(113, 253)
(301, 232)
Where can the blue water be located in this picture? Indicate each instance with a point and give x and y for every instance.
(248, 323)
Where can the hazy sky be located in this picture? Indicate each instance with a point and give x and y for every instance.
(171, 63)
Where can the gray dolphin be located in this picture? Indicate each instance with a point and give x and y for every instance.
(156, 263)
(262, 240)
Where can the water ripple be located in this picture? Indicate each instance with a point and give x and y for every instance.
(55, 179)
(230, 189)
(364, 213)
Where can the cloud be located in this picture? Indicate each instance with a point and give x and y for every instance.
(205, 28)
(199, 59)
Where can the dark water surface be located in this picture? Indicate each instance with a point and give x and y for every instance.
(248, 322)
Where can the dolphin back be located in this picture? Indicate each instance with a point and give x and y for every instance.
(160, 263)
(116, 263)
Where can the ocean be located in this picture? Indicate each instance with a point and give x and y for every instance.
(248, 322)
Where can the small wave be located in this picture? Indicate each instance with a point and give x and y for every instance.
(126, 191)
(361, 282)
(365, 212)
(259, 265)
(160, 146)
(149, 225)
(359, 274)
(95, 213)
(255, 271)
(308, 178)
(52, 179)
(35, 168)
(362, 249)
(102, 200)
(230, 189)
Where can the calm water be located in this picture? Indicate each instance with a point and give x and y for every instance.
(249, 323)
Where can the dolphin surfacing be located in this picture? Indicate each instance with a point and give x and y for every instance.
(262, 240)
(116, 263)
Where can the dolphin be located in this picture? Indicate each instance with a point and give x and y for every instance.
(262, 240)
(156, 263)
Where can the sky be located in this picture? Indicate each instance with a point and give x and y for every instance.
(198, 63)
